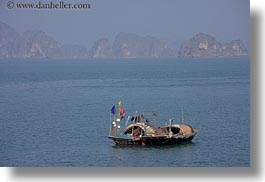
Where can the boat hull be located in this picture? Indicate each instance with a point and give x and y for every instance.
(153, 140)
(125, 141)
(165, 141)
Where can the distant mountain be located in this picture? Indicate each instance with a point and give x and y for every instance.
(101, 49)
(9, 41)
(37, 44)
(32, 44)
(203, 45)
(128, 45)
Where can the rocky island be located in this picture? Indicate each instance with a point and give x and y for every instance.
(204, 45)
(128, 45)
(37, 44)
(9, 41)
(101, 49)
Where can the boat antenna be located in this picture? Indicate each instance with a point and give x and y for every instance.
(170, 125)
(182, 116)
(177, 117)
(154, 117)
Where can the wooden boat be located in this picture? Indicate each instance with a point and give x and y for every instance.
(141, 132)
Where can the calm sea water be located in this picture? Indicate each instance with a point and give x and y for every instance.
(56, 112)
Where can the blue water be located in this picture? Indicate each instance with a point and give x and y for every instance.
(56, 112)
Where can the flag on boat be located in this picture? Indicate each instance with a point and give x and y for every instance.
(113, 109)
(122, 111)
(119, 104)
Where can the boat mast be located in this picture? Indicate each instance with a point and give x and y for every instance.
(110, 124)
(113, 123)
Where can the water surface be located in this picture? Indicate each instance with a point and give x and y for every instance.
(56, 112)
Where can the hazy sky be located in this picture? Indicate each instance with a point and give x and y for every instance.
(169, 20)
